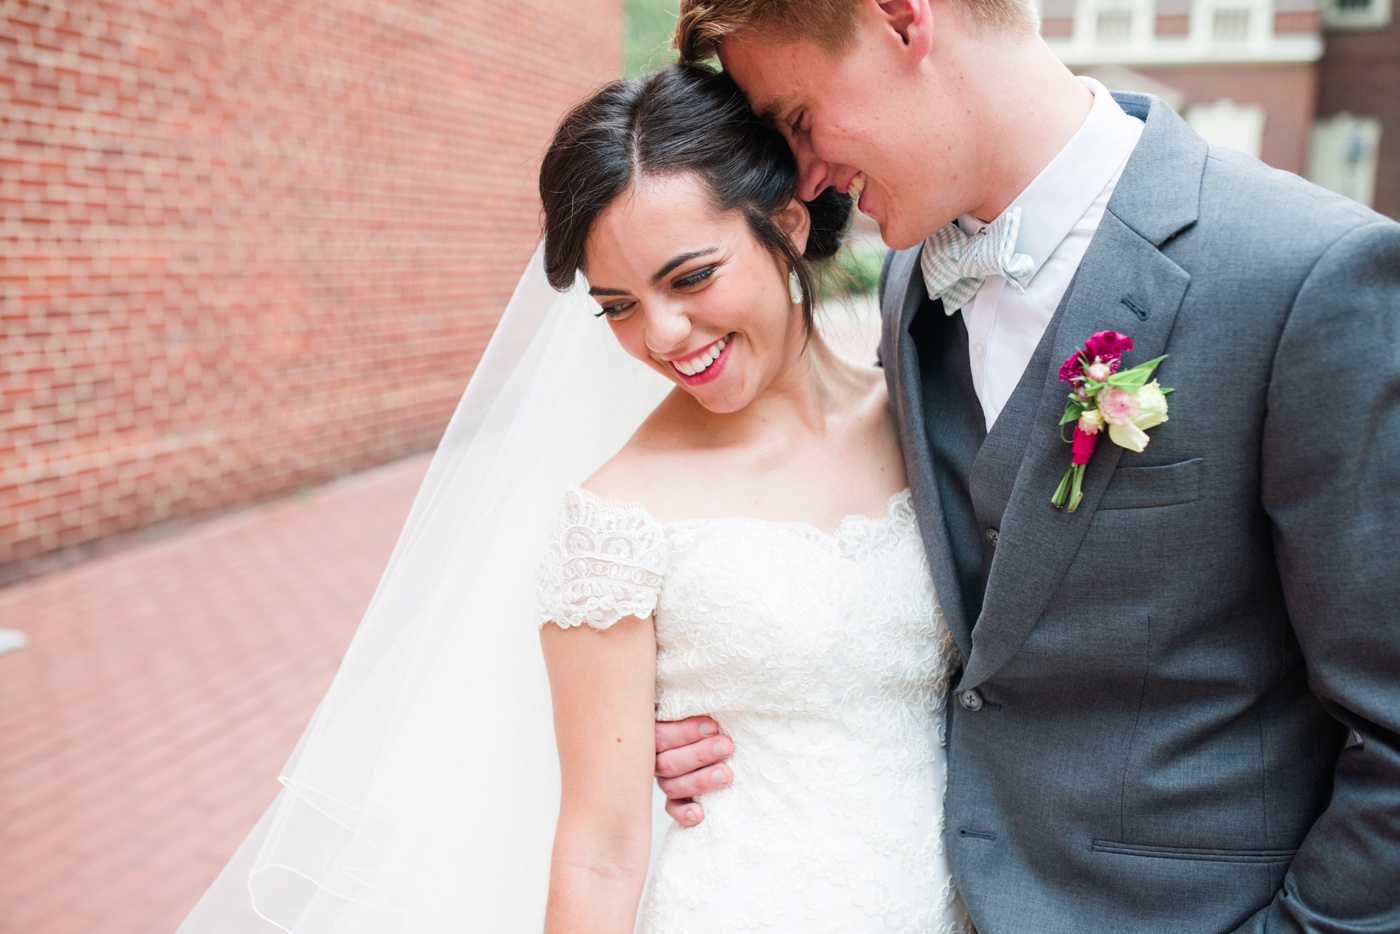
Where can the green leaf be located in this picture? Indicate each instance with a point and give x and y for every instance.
(1074, 408)
(1137, 377)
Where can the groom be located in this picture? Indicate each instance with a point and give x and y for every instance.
(1179, 708)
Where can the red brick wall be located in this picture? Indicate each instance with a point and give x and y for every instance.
(1360, 73)
(249, 245)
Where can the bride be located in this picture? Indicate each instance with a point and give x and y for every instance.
(750, 553)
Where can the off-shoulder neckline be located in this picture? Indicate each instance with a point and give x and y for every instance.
(896, 500)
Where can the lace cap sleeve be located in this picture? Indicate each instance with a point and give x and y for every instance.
(605, 562)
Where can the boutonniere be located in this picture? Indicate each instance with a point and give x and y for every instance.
(1103, 397)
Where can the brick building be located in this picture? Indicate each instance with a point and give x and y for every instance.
(247, 245)
(1304, 85)
(1242, 72)
(1356, 141)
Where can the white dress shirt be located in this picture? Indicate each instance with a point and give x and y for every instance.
(1060, 211)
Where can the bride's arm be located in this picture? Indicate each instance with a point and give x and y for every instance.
(604, 690)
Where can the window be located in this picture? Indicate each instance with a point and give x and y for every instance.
(1355, 14)
(1230, 25)
(1114, 26)
(1226, 123)
(1342, 155)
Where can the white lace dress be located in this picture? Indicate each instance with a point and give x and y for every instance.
(826, 658)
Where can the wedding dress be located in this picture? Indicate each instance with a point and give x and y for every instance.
(826, 658)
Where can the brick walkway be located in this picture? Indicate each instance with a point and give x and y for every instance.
(162, 689)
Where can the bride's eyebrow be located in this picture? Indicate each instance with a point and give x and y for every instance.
(683, 258)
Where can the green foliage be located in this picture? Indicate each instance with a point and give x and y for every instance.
(854, 271)
(647, 45)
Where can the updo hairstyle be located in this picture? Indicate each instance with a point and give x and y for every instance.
(681, 119)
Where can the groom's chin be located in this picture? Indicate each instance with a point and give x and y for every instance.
(896, 235)
(899, 239)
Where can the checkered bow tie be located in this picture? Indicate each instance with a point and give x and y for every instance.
(955, 264)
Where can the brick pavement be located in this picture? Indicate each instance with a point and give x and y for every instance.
(162, 689)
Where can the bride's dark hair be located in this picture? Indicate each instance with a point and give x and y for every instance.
(683, 118)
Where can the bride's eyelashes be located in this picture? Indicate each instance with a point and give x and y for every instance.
(614, 310)
(690, 280)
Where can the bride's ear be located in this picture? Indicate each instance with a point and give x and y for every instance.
(796, 223)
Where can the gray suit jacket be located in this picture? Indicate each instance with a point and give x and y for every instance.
(1180, 705)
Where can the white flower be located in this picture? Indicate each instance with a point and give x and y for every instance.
(1149, 409)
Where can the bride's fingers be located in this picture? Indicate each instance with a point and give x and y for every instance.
(698, 783)
(685, 812)
(686, 759)
(671, 734)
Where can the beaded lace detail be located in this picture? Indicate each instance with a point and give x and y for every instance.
(826, 657)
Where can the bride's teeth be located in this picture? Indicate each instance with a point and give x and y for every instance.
(700, 364)
(856, 186)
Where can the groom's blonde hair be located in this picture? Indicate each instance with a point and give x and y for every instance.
(703, 24)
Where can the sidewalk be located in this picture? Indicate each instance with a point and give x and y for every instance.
(142, 728)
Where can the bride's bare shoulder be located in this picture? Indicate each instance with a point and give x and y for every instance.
(638, 472)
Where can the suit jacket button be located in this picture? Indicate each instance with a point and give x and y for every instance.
(971, 700)
(992, 537)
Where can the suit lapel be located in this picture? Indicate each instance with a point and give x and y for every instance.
(906, 390)
(1126, 284)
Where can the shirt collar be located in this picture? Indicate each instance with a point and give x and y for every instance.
(1064, 190)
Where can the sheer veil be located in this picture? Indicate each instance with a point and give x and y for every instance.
(422, 796)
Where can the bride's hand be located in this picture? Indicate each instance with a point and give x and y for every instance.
(690, 758)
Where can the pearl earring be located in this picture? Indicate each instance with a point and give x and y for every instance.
(794, 288)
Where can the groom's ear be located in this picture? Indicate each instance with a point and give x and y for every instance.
(796, 222)
(907, 20)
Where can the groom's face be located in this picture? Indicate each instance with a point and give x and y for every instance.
(848, 120)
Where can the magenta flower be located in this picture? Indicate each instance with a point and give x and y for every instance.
(1108, 346)
(1073, 368)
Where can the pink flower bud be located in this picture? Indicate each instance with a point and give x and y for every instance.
(1117, 405)
(1098, 371)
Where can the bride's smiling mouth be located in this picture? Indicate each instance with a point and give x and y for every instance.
(705, 366)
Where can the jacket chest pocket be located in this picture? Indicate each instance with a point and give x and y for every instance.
(1145, 487)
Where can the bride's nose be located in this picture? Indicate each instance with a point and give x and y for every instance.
(667, 327)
